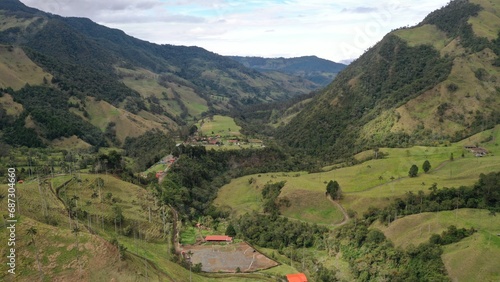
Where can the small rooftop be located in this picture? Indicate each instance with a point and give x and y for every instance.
(296, 277)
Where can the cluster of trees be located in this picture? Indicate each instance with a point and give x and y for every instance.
(451, 235)
(333, 189)
(49, 109)
(272, 231)
(485, 194)
(453, 19)
(270, 194)
(148, 148)
(192, 183)
(426, 166)
(372, 257)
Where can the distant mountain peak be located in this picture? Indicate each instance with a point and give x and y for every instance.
(16, 6)
(417, 85)
(313, 68)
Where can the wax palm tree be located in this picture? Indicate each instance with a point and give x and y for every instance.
(32, 233)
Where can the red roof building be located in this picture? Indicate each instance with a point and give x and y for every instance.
(297, 277)
(218, 238)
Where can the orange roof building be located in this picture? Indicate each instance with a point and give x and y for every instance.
(218, 238)
(297, 277)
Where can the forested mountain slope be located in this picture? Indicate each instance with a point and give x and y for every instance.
(434, 82)
(100, 73)
(312, 68)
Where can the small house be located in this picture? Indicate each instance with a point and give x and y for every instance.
(297, 277)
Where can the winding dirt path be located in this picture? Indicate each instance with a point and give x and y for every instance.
(344, 212)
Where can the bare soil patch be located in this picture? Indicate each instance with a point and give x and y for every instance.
(228, 257)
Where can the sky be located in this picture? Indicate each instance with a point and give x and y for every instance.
(338, 30)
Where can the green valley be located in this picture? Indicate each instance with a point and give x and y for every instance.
(126, 160)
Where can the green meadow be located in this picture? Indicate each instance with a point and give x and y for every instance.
(373, 182)
(462, 259)
(219, 125)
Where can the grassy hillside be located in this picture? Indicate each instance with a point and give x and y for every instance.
(151, 86)
(17, 69)
(219, 125)
(373, 182)
(377, 182)
(94, 256)
(147, 83)
(472, 259)
(11, 107)
(101, 114)
(147, 256)
(487, 23)
(387, 97)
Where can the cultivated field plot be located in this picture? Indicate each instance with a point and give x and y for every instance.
(227, 258)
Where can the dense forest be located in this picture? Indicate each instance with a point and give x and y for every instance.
(192, 183)
(49, 110)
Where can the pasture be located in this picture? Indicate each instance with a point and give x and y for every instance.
(374, 182)
(219, 125)
(481, 251)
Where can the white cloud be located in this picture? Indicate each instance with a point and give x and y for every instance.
(335, 30)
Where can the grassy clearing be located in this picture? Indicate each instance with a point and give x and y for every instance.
(126, 124)
(13, 21)
(141, 80)
(71, 143)
(12, 108)
(146, 83)
(311, 207)
(487, 23)
(16, 69)
(155, 168)
(240, 196)
(424, 35)
(133, 200)
(306, 205)
(219, 125)
(472, 259)
(190, 235)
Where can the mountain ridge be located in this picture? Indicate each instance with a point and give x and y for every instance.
(165, 85)
(313, 68)
(416, 86)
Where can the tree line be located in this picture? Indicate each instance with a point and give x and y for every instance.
(484, 194)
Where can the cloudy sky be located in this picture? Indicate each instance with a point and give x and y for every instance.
(332, 29)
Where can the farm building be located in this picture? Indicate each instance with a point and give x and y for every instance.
(297, 277)
(218, 238)
(477, 151)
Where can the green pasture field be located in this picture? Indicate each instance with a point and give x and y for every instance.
(372, 182)
(220, 125)
(472, 259)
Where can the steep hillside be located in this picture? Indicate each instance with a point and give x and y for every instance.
(429, 83)
(312, 68)
(154, 86)
(16, 69)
